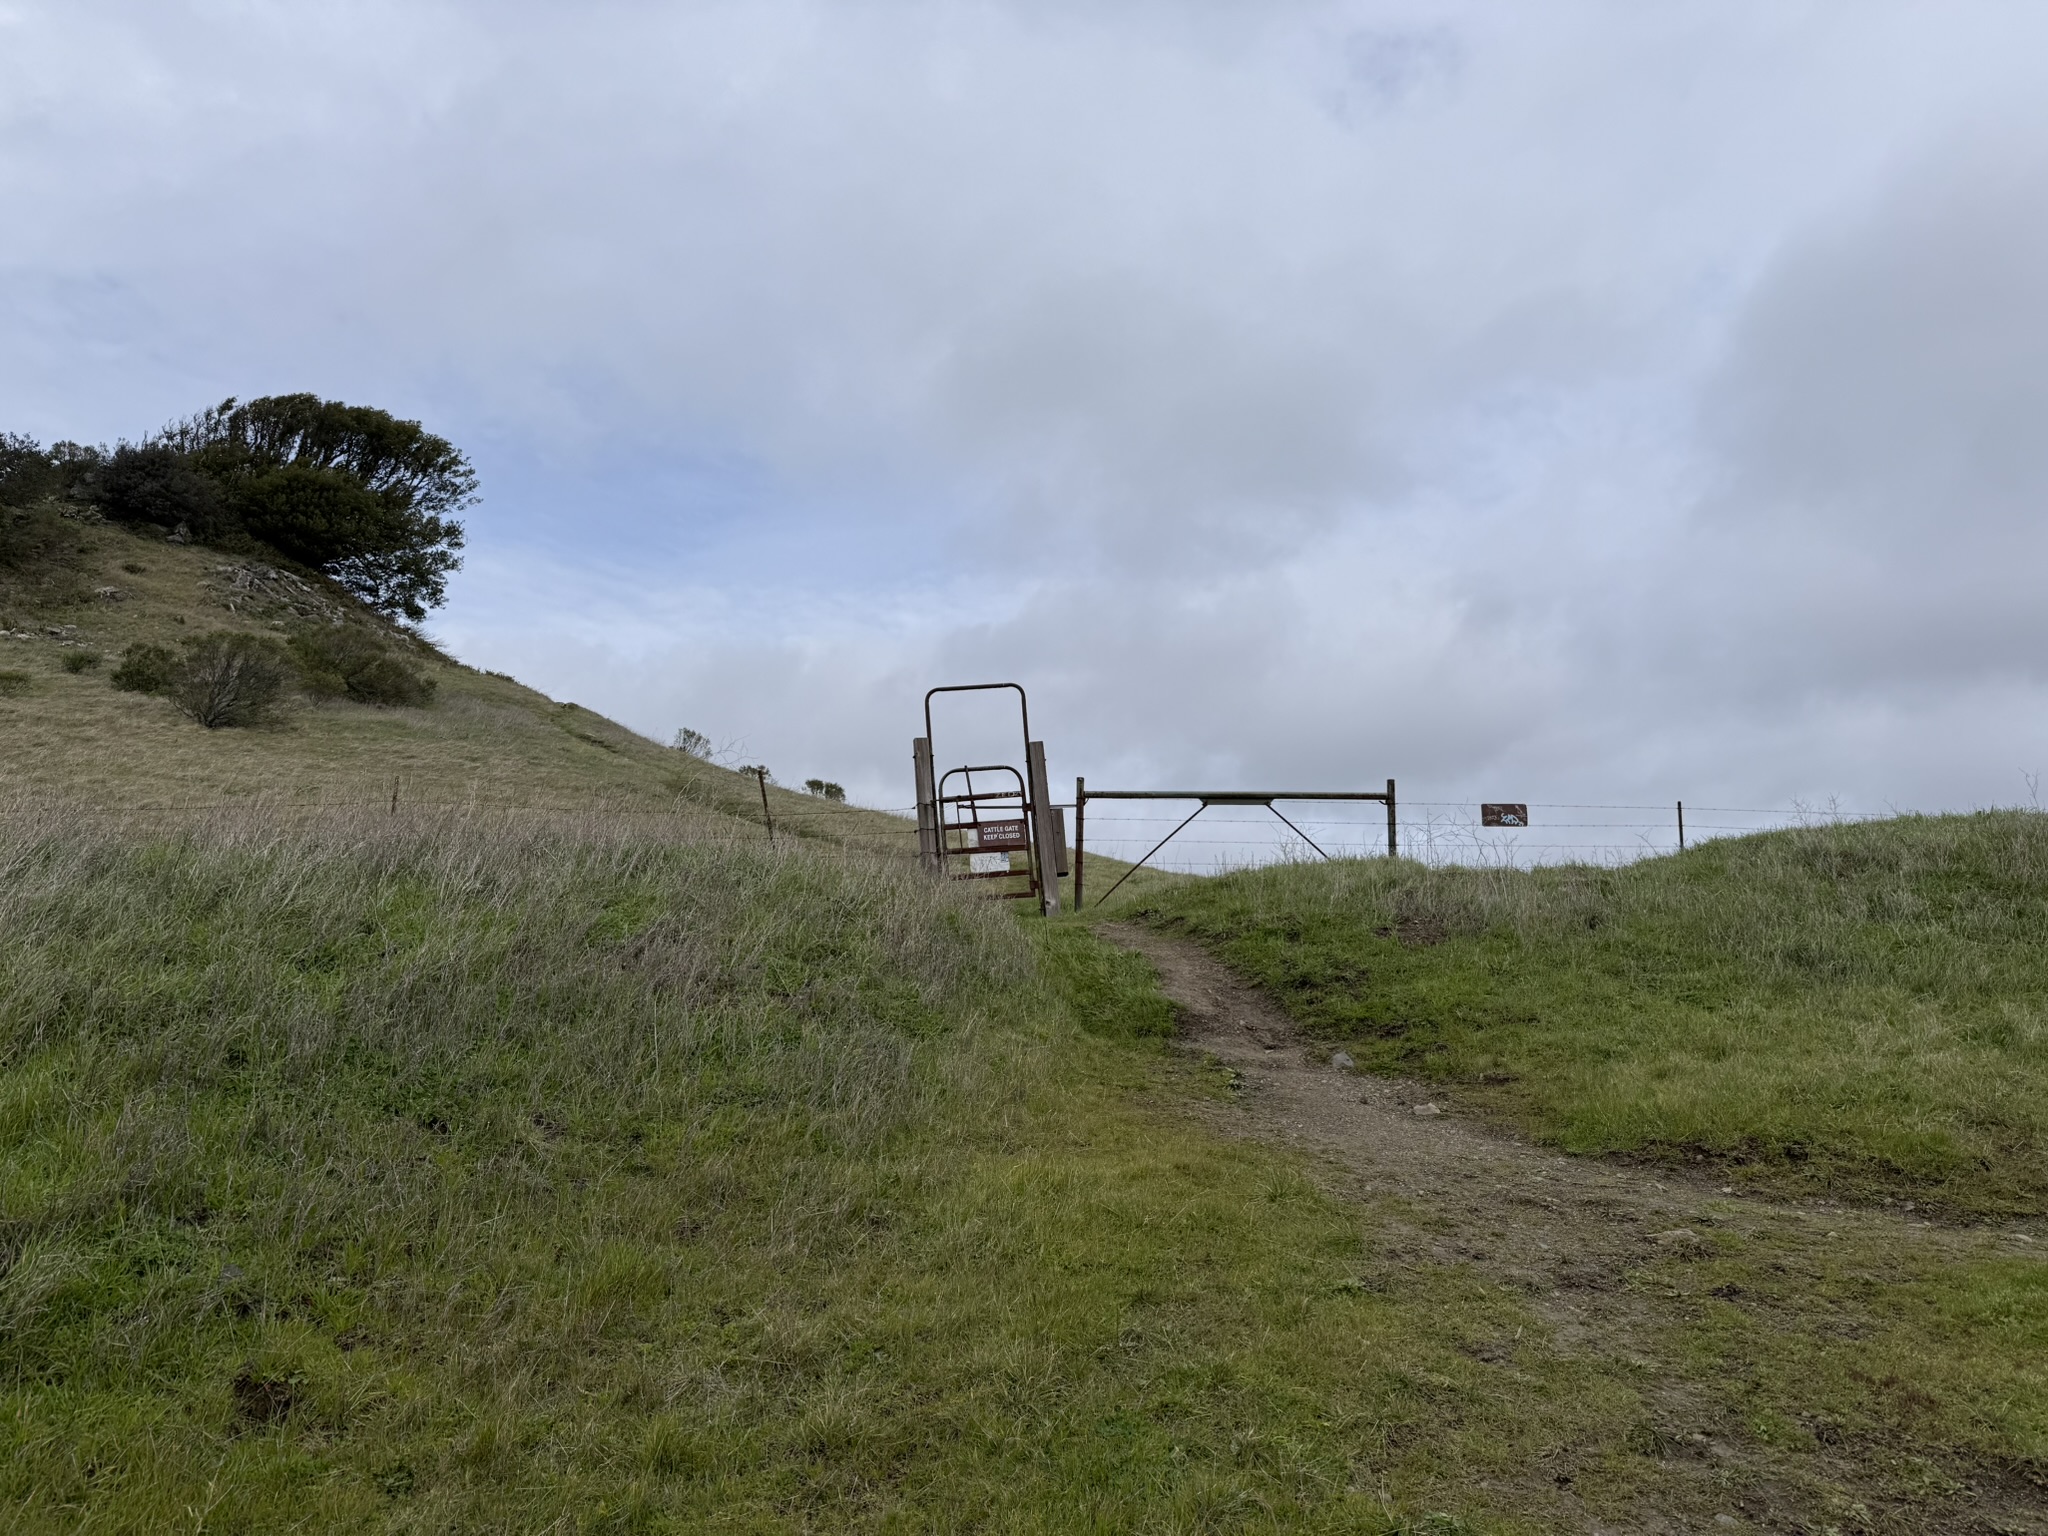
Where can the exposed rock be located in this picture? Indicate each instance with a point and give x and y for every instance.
(1678, 1237)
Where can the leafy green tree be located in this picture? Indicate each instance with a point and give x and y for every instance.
(353, 491)
(356, 493)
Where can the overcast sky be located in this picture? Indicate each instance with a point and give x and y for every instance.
(1561, 402)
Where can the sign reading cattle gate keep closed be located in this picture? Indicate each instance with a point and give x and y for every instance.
(990, 835)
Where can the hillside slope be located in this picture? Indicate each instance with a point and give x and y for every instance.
(485, 740)
(554, 1152)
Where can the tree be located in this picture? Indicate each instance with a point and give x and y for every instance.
(30, 473)
(399, 461)
(350, 490)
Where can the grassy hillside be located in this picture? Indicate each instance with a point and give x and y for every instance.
(486, 739)
(496, 1172)
(1860, 1009)
(463, 1174)
(553, 1153)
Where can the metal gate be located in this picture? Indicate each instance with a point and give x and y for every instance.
(971, 831)
(1208, 797)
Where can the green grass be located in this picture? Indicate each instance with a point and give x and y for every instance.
(553, 1154)
(510, 1172)
(1856, 1009)
(493, 1174)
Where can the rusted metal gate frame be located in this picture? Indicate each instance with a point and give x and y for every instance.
(1047, 853)
(1208, 797)
(973, 800)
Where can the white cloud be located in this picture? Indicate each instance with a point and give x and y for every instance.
(1576, 400)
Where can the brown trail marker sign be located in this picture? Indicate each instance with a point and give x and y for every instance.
(1503, 813)
(971, 832)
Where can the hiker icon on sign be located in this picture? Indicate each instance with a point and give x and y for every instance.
(1503, 814)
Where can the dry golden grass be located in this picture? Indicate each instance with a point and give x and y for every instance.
(485, 741)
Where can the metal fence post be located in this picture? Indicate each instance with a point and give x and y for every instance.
(761, 778)
(1080, 835)
(1393, 838)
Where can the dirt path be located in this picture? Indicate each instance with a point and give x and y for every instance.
(1567, 1233)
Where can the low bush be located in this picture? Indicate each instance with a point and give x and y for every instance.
(35, 537)
(222, 679)
(145, 668)
(14, 684)
(81, 661)
(42, 553)
(349, 662)
(825, 788)
(229, 679)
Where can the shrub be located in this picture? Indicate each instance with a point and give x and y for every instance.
(349, 662)
(37, 539)
(222, 679)
(692, 743)
(158, 487)
(26, 472)
(145, 668)
(81, 661)
(14, 684)
(229, 679)
(826, 788)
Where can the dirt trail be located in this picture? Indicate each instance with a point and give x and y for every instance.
(1567, 1232)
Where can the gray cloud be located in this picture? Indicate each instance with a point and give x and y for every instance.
(1575, 400)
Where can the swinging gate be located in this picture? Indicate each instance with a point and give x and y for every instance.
(987, 827)
(1206, 798)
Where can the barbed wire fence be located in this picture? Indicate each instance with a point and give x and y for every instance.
(1448, 833)
(1225, 838)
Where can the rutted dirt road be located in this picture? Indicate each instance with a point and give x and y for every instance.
(1567, 1233)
